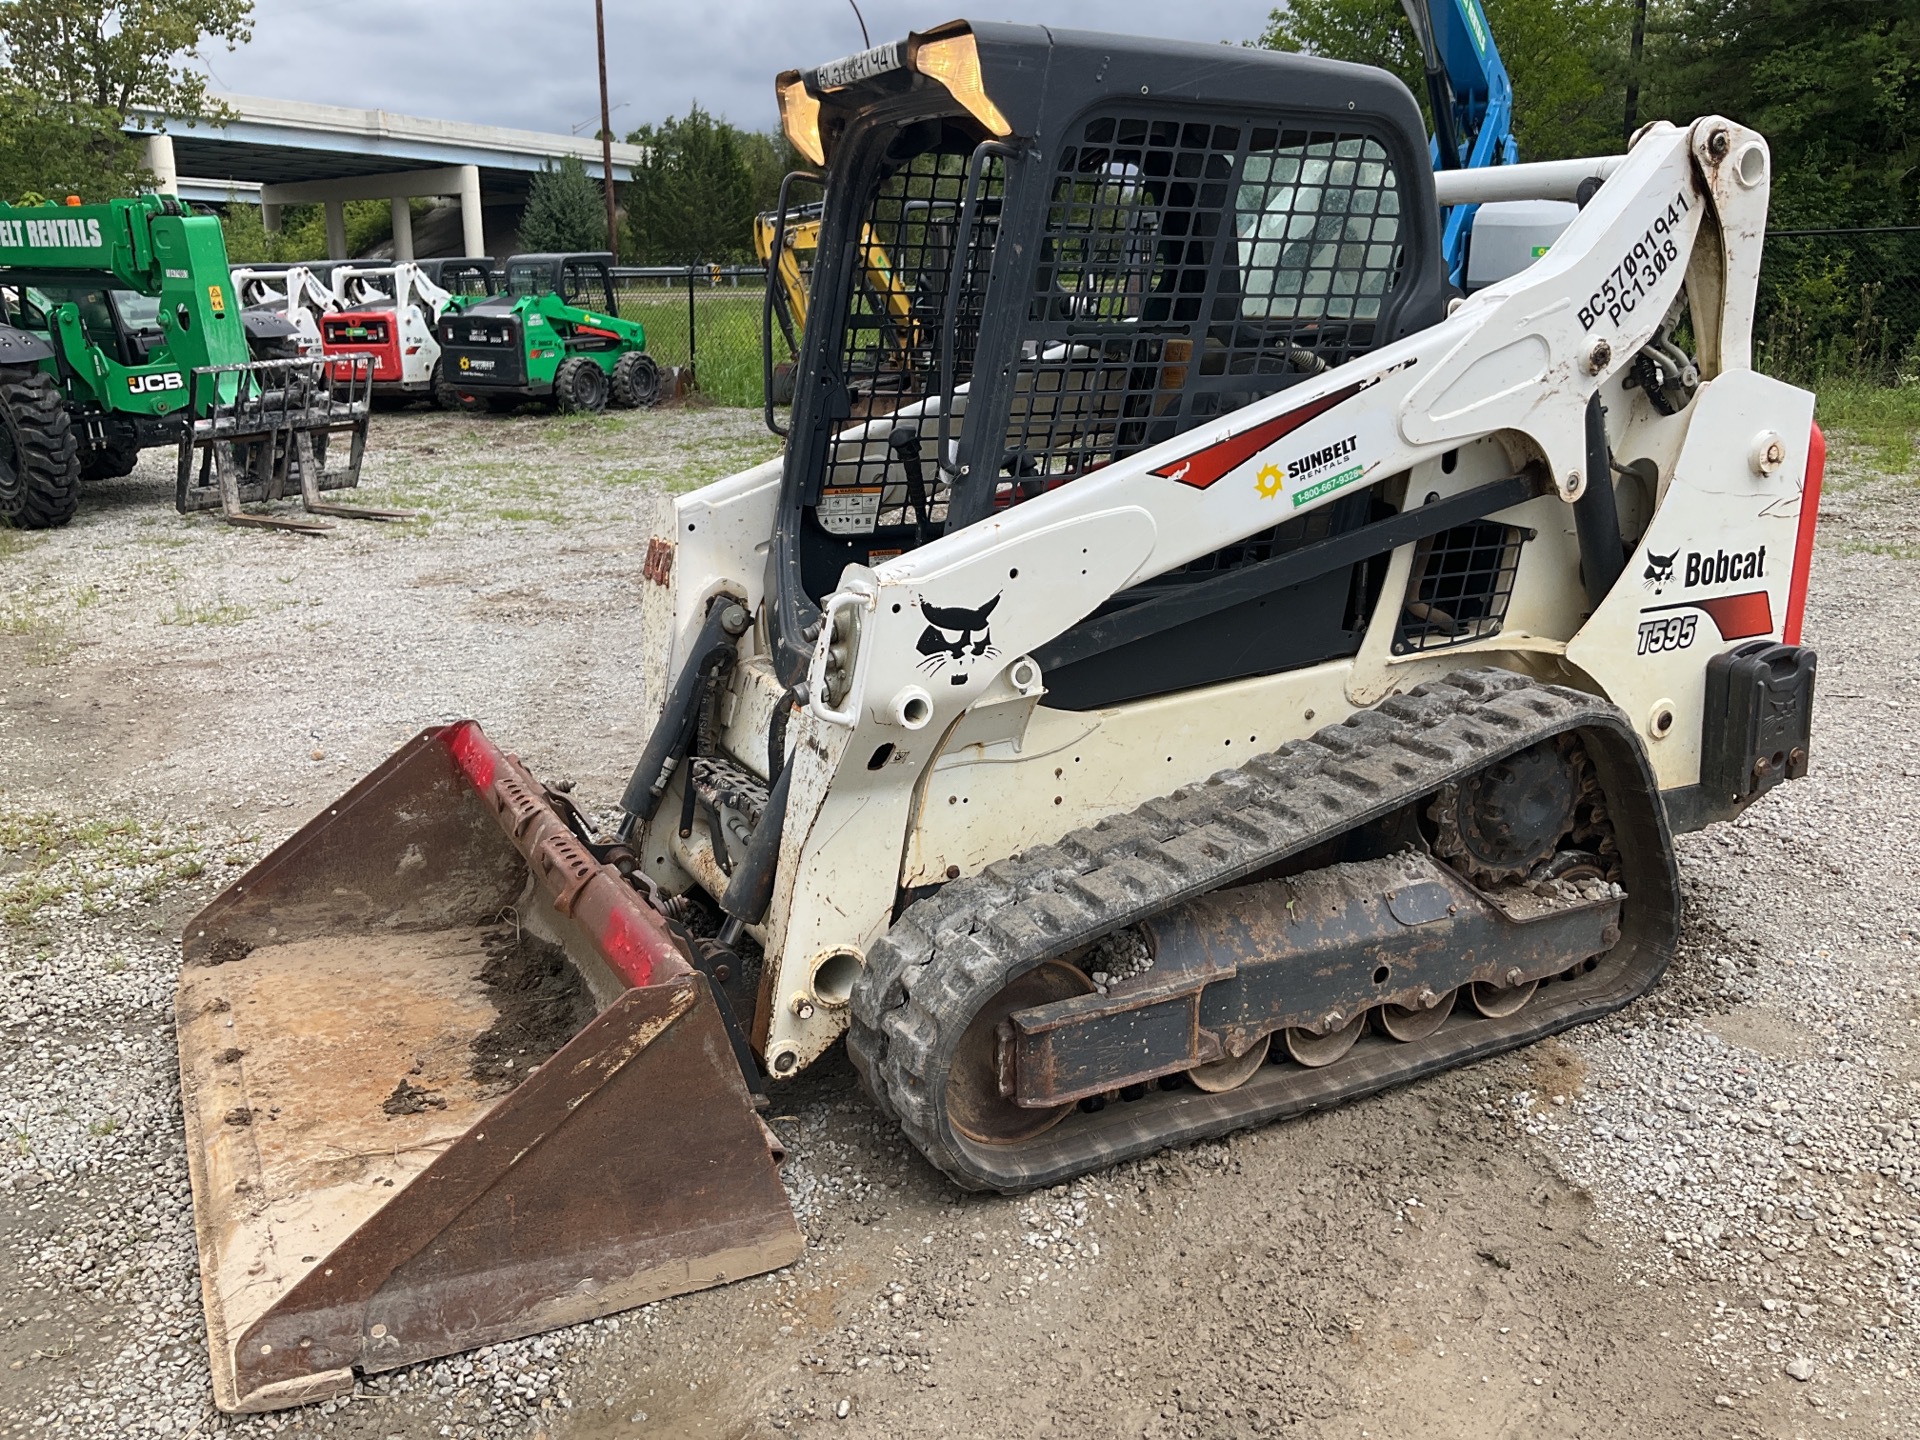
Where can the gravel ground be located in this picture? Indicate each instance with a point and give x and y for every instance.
(1699, 1217)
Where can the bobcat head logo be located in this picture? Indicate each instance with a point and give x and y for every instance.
(954, 637)
(1659, 571)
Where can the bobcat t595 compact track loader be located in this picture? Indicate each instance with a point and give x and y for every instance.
(388, 312)
(1203, 671)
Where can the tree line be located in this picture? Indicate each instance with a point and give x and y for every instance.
(692, 199)
(1832, 84)
(74, 73)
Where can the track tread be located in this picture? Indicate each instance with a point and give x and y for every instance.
(946, 954)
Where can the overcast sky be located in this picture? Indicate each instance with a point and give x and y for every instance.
(530, 63)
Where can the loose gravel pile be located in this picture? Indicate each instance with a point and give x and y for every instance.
(1701, 1216)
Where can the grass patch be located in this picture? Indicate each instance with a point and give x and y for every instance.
(23, 617)
(1882, 420)
(26, 615)
(46, 860)
(725, 342)
(1892, 549)
(221, 612)
(718, 464)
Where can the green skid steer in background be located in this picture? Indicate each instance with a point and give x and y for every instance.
(555, 334)
(121, 329)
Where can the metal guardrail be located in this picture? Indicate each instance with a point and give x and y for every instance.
(713, 275)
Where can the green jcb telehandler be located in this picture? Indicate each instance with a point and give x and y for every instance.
(121, 329)
(554, 334)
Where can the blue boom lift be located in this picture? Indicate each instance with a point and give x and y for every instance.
(1472, 101)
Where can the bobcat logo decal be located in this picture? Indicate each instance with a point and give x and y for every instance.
(954, 637)
(1659, 571)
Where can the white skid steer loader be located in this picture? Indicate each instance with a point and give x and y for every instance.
(388, 313)
(1189, 667)
(296, 293)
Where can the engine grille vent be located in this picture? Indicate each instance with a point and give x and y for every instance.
(1461, 583)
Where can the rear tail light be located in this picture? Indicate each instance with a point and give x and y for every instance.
(1803, 544)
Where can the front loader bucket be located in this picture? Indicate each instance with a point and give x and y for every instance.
(449, 1080)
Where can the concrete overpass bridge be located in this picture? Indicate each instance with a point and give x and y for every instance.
(290, 152)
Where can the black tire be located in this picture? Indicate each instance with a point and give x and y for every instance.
(116, 455)
(448, 396)
(39, 461)
(580, 387)
(636, 382)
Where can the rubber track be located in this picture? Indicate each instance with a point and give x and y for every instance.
(47, 459)
(948, 954)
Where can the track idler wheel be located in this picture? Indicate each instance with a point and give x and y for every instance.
(1407, 1023)
(1312, 1049)
(1233, 1071)
(975, 1106)
(1496, 1002)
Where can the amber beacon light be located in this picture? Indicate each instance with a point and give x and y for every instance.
(954, 61)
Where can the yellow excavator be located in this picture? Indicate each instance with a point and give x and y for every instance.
(901, 306)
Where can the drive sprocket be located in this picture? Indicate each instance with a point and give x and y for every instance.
(1500, 822)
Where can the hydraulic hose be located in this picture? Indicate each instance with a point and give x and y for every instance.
(712, 652)
(1596, 514)
(750, 891)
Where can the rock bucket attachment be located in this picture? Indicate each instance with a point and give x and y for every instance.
(449, 1080)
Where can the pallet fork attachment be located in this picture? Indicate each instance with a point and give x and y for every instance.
(258, 438)
(365, 1194)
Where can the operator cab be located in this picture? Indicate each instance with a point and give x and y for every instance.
(124, 323)
(464, 275)
(584, 280)
(1056, 249)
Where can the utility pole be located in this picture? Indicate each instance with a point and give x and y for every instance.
(1633, 73)
(606, 127)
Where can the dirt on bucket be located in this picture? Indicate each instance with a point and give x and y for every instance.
(543, 1003)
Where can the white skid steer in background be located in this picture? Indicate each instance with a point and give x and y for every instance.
(1188, 667)
(296, 293)
(388, 313)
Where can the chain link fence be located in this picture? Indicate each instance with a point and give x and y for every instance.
(1840, 303)
(1832, 302)
(703, 317)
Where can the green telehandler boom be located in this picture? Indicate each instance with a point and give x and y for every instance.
(120, 330)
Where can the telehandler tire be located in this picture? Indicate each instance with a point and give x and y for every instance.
(114, 457)
(580, 387)
(636, 382)
(39, 461)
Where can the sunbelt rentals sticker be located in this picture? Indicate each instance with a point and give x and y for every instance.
(1307, 475)
(58, 232)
